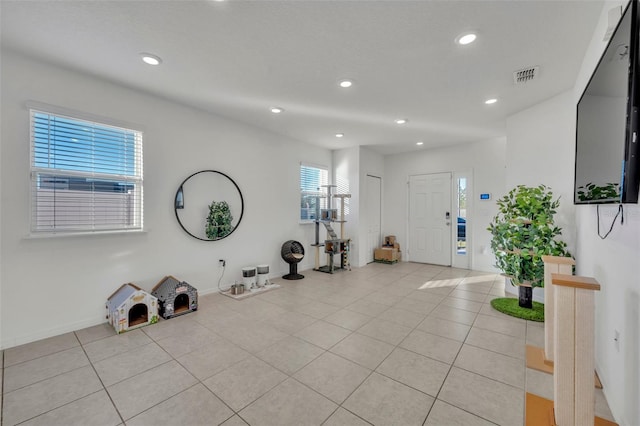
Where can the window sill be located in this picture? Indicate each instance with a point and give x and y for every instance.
(47, 235)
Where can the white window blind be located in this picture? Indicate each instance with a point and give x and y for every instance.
(311, 180)
(342, 187)
(85, 176)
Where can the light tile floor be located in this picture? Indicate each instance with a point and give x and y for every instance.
(405, 344)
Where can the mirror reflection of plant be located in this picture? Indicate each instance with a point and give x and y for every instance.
(523, 231)
(219, 220)
(591, 191)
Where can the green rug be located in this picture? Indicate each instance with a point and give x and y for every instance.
(509, 306)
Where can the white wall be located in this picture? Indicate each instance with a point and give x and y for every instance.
(351, 167)
(53, 285)
(371, 163)
(485, 159)
(615, 263)
(540, 150)
(346, 165)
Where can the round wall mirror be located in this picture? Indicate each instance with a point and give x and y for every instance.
(209, 205)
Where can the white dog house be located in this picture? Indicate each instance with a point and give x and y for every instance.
(131, 307)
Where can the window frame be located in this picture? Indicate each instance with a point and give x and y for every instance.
(90, 177)
(303, 192)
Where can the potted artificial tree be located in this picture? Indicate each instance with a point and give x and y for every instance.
(522, 232)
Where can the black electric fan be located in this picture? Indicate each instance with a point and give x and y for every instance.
(292, 252)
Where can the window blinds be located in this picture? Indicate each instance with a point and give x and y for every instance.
(311, 180)
(85, 176)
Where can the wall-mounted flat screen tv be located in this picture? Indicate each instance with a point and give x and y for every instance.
(607, 168)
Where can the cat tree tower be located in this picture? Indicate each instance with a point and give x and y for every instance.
(333, 246)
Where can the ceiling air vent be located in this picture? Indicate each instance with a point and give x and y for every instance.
(525, 75)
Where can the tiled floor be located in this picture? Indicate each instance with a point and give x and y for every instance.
(405, 344)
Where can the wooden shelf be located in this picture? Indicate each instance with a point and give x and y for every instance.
(561, 260)
(575, 281)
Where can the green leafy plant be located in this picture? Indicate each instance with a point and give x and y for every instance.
(591, 191)
(219, 220)
(523, 231)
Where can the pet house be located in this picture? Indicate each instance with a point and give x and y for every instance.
(131, 307)
(175, 297)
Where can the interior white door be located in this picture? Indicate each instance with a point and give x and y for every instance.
(430, 218)
(373, 215)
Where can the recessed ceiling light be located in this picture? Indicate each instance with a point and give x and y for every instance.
(150, 59)
(419, 143)
(339, 135)
(466, 38)
(491, 101)
(401, 121)
(276, 110)
(346, 83)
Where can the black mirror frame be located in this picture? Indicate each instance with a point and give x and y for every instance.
(176, 208)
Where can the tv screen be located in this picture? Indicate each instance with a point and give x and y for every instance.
(606, 168)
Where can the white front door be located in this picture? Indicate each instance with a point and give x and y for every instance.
(373, 215)
(430, 218)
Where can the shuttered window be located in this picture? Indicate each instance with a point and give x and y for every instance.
(342, 187)
(85, 176)
(311, 180)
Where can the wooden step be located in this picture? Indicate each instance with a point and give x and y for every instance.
(537, 361)
(539, 412)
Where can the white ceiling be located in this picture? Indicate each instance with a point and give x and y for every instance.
(238, 58)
